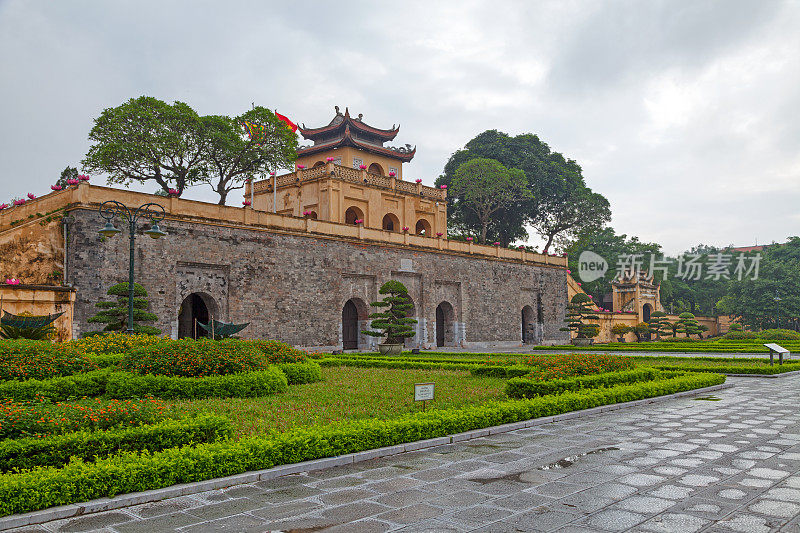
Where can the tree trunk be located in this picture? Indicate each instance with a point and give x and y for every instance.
(549, 242)
(223, 195)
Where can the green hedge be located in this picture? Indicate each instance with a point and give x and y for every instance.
(520, 387)
(195, 358)
(26, 359)
(502, 371)
(245, 385)
(125, 473)
(763, 370)
(90, 384)
(58, 450)
(298, 373)
(105, 360)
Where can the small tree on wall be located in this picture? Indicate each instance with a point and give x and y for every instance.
(114, 314)
(393, 323)
(579, 310)
(640, 330)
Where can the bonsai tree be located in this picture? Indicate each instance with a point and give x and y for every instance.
(580, 309)
(640, 330)
(114, 313)
(620, 330)
(687, 324)
(701, 328)
(659, 324)
(735, 326)
(392, 323)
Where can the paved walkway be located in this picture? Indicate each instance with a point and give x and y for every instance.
(725, 463)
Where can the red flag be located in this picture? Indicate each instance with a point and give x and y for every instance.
(291, 125)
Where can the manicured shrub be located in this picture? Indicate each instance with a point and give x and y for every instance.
(297, 373)
(127, 472)
(106, 360)
(113, 343)
(733, 369)
(395, 363)
(779, 335)
(279, 352)
(40, 419)
(525, 387)
(501, 371)
(89, 384)
(243, 385)
(26, 359)
(58, 450)
(195, 358)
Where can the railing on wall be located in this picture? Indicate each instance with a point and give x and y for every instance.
(352, 175)
(86, 195)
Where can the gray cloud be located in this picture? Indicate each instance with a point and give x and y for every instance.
(682, 113)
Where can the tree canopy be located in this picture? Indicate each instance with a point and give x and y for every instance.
(558, 204)
(485, 186)
(145, 140)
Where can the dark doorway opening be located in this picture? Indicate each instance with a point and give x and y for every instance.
(193, 309)
(445, 327)
(528, 325)
(350, 326)
(439, 326)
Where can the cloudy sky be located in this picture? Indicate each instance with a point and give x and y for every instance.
(685, 114)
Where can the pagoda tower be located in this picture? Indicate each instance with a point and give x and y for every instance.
(347, 176)
(353, 143)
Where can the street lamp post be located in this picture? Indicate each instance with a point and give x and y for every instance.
(777, 309)
(109, 211)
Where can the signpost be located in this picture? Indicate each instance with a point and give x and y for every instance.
(423, 392)
(776, 349)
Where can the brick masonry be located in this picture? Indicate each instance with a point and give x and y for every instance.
(293, 287)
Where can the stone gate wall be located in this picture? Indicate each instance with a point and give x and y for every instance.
(293, 287)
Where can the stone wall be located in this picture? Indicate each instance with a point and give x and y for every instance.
(293, 287)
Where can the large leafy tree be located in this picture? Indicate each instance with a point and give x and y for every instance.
(146, 140)
(552, 181)
(753, 300)
(232, 155)
(484, 186)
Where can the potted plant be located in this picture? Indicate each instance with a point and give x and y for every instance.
(578, 310)
(392, 323)
(620, 330)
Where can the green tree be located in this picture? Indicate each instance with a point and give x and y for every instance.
(659, 324)
(393, 323)
(551, 180)
(146, 140)
(620, 330)
(232, 156)
(752, 301)
(69, 173)
(687, 324)
(114, 313)
(580, 309)
(485, 186)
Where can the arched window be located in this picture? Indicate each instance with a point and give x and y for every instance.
(319, 164)
(352, 214)
(312, 215)
(423, 227)
(390, 222)
(375, 168)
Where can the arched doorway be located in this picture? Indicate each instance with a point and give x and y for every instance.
(354, 316)
(391, 222)
(539, 318)
(198, 307)
(375, 168)
(528, 325)
(647, 309)
(423, 227)
(352, 214)
(445, 332)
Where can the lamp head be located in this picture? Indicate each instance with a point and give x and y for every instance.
(155, 232)
(108, 230)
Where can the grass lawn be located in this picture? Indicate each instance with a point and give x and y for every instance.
(718, 346)
(348, 393)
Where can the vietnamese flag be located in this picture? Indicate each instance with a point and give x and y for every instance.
(291, 125)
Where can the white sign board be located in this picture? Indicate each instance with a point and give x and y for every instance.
(423, 392)
(776, 348)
